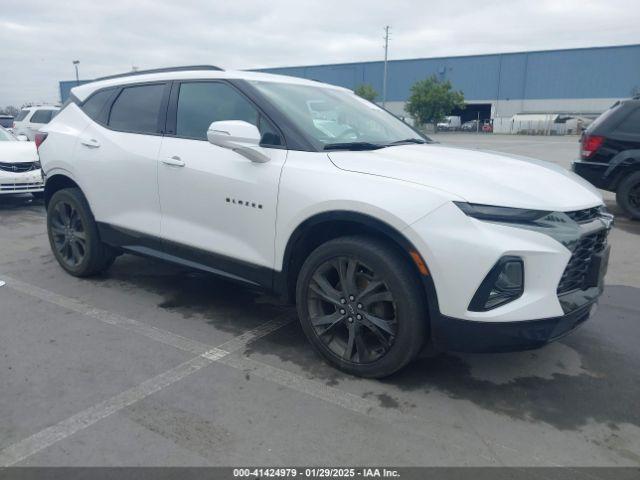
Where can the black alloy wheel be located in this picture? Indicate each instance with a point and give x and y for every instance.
(68, 234)
(362, 306)
(352, 310)
(73, 235)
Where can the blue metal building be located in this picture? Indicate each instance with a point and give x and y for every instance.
(582, 80)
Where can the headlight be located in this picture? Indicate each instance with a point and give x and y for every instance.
(501, 214)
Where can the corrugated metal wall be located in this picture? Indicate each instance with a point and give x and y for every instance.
(604, 72)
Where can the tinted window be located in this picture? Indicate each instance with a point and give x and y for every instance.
(42, 116)
(94, 105)
(137, 108)
(201, 103)
(606, 114)
(631, 124)
(21, 115)
(6, 122)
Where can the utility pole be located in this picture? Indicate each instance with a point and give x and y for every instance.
(75, 64)
(386, 56)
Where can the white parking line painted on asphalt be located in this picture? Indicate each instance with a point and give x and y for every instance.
(431, 428)
(45, 438)
(157, 334)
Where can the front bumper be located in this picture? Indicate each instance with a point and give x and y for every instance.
(456, 335)
(459, 252)
(27, 182)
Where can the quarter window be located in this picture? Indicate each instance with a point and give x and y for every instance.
(136, 109)
(201, 103)
(631, 124)
(22, 115)
(94, 105)
(42, 116)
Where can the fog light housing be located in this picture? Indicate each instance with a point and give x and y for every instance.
(503, 284)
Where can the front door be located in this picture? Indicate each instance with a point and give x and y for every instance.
(218, 208)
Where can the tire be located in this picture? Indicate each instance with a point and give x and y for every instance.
(73, 235)
(378, 330)
(628, 195)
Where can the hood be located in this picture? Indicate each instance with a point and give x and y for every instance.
(489, 178)
(17, 152)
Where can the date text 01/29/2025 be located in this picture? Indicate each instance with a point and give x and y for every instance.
(315, 473)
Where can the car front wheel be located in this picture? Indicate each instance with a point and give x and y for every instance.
(361, 306)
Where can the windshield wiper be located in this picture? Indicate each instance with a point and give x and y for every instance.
(405, 141)
(353, 146)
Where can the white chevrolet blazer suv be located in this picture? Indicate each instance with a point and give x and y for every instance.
(386, 241)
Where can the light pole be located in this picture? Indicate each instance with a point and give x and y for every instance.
(386, 56)
(75, 64)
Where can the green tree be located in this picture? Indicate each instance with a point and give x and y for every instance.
(431, 100)
(366, 91)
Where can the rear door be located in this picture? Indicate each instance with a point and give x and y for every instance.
(117, 155)
(218, 207)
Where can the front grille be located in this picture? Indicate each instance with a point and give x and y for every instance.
(20, 187)
(584, 216)
(19, 167)
(575, 274)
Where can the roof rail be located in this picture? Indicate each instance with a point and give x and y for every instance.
(161, 70)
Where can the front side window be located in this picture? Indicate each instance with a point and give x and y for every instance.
(333, 117)
(202, 103)
(42, 116)
(136, 109)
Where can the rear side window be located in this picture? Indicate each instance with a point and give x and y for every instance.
(21, 116)
(42, 116)
(201, 103)
(94, 106)
(631, 124)
(136, 109)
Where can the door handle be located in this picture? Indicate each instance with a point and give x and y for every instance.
(90, 142)
(174, 161)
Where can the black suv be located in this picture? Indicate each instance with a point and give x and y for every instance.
(610, 154)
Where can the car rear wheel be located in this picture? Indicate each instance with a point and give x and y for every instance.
(73, 235)
(628, 195)
(361, 306)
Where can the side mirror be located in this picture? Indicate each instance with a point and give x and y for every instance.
(22, 137)
(239, 136)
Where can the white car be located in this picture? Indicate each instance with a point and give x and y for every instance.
(31, 119)
(386, 241)
(19, 166)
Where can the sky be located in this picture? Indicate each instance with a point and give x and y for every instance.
(39, 39)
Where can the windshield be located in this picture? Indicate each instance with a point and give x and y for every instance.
(337, 118)
(5, 136)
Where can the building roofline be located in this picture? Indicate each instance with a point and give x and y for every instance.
(475, 55)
